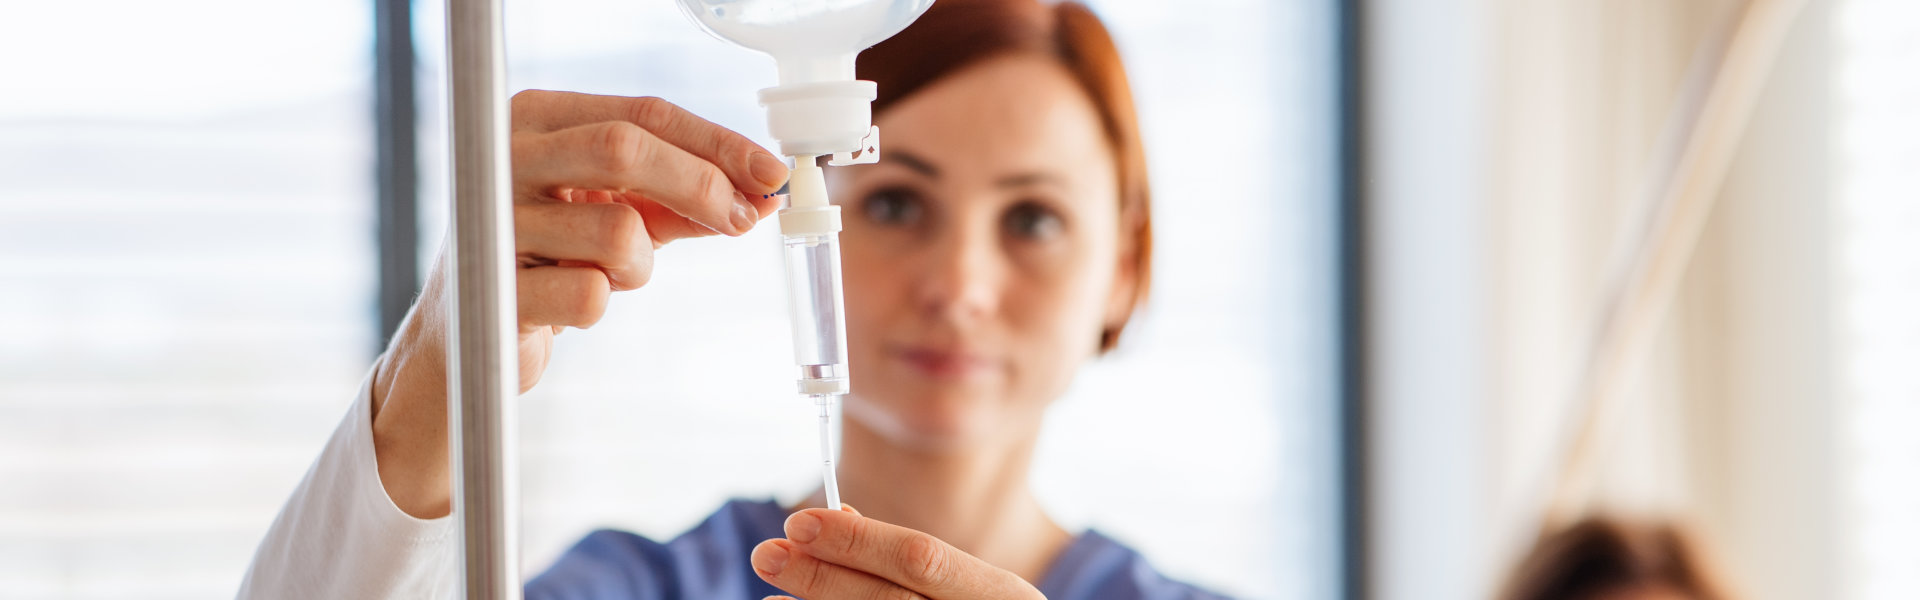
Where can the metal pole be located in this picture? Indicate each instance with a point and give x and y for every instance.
(483, 368)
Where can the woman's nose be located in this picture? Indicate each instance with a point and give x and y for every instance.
(960, 279)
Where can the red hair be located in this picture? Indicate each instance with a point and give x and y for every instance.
(954, 34)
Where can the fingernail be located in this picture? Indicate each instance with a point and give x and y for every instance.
(803, 527)
(744, 214)
(767, 168)
(771, 559)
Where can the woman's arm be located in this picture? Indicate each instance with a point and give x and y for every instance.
(599, 183)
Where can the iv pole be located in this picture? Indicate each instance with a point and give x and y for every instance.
(483, 373)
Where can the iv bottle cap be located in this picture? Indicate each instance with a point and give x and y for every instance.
(819, 117)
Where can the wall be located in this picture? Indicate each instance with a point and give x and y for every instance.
(1511, 143)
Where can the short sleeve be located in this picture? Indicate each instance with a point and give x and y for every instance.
(708, 562)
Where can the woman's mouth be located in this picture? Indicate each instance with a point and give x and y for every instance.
(943, 363)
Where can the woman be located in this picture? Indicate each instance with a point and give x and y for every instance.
(1001, 242)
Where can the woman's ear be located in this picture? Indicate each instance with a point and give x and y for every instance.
(1127, 279)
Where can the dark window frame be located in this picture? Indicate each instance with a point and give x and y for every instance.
(397, 165)
(1353, 293)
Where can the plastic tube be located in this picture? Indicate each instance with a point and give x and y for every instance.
(831, 483)
(810, 228)
(814, 309)
(810, 232)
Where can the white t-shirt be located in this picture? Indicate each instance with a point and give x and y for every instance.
(341, 536)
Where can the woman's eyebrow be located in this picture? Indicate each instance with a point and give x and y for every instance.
(910, 161)
(1031, 178)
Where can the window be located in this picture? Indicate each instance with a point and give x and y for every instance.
(185, 253)
(1878, 289)
(187, 264)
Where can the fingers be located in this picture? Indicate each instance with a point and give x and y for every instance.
(666, 226)
(609, 236)
(751, 169)
(559, 295)
(623, 157)
(780, 563)
(908, 558)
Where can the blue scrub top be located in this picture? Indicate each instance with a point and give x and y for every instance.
(710, 563)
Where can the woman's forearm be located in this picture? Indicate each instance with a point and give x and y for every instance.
(410, 412)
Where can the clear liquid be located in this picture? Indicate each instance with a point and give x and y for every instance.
(815, 307)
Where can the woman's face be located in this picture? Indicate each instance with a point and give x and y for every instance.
(982, 255)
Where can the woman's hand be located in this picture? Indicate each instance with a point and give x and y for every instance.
(599, 183)
(833, 555)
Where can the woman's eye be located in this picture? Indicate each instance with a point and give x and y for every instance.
(1031, 220)
(892, 206)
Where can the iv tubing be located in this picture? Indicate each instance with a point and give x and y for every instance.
(826, 452)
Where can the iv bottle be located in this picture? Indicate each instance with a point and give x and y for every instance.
(817, 109)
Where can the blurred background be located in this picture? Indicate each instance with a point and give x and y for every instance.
(1396, 239)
